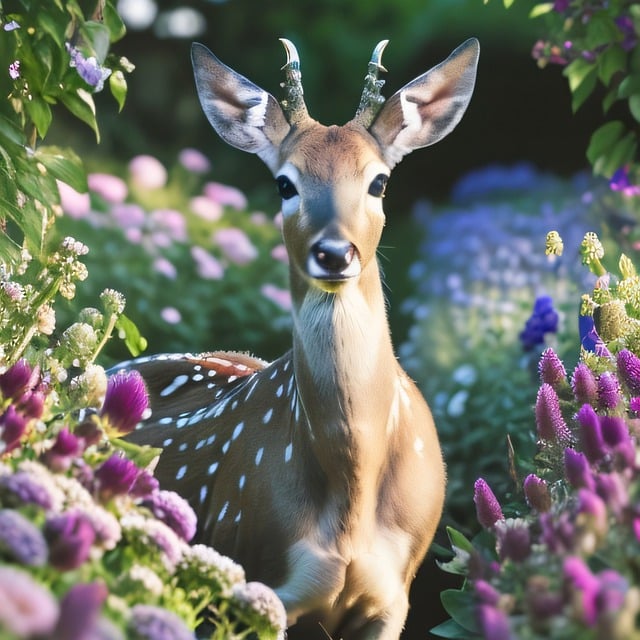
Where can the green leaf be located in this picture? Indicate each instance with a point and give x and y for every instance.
(634, 106)
(128, 331)
(65, 165)
(629, 86)
(601, 30)
(609, 99)
(451, 629)
(541, 9)
(460, 605)
(603, 139)
(81, 104)
(114, 22)
(141, 455)
(12, 132)
(98, 36)
(458, 540)
(620, 154)
(118, 86)
(612, 61)
(577, 72)
(40, 113)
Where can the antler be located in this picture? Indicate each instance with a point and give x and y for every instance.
(371, 100)
(293, 105)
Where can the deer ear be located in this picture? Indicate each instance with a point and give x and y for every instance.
(244, 115)
(429, 107)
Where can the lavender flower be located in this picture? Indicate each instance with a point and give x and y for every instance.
(590, 434)
(614, 430)
(486, 593)
(235, 245)
(18, 379)
(558, 533)
(537, 494)
(89, 69)
(259, 599)
(226, 195)
(153, 623)
(207, 265)
(513, 540)
(613, 491)
(79, 611)
(551, 369)
(174, 511)
(488, 508)
(577, 470)
(14, 70)
(584, 385)
(629, 370)
(620, 182)
(125, 402)
(608, 390)
(493, 623)
(70, 537)
(21, 540)
(27, 608)
(33, 484)
(145, 484)
(549, 421)
(116, 476)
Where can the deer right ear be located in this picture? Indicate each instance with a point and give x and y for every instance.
(244, 115)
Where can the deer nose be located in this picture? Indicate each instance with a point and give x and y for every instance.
(331, 259)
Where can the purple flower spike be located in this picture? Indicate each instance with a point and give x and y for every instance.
(174, 511)
(551, 369)
(63, 451)
(486, 593)
(513, 540)
(144, 485)
(577, 470)
(116, 476)
(591, 434)
(125, 402)
(70, 537)
(614, 430)
(12, 428)
(608, 390)
(549, 420)
(584, 385)
(537, 494)
(629, 370)
(488, 508)
(18, 379)
(611, 488)
(493, 623)
(592, 512)
(79, 611)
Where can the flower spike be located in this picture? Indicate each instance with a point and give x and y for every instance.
(371, 99)
(293, 105)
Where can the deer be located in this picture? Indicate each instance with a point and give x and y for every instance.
(321, 473)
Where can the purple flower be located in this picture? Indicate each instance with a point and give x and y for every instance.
(549, 421)
(125, 402)
(613, 491)
(577, 470)
(488, 508)
(513, 540)
(31, 404)
(634, 405)
(14, 70)
(70, 536)
(592, 513)
(557, 533)
(32, 486)
(551, 369)
(194, 160)
(544, 319)
(612, 592)
(89, 432)
(584, 385)
(629, 370)
(207, 265)
(11, 26)
(66, 447)
(110, 188)
(27, 608)
(561, 5)
(260, 599)
(116, 476)
(589, 338)
(608, 390)
(493, 623)
(537, 494)
(89, 69)
(281, 297)
(18, 379)
(620, 182)
(12, 428)
(235, 245)
(590, 434)
(486, 593)
(145, 484)
(171, 315)
(79, 611)
(627, 28)
(21, 540)
(614, 430)
(579, 577)
(153, 623)
(174, 511)
(225, 195)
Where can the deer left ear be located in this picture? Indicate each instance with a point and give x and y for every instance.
(429, 107)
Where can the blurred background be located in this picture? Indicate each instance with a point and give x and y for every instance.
(463, 250)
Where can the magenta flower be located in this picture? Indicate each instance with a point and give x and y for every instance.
(24, 487)
(207, 265)
(174, 511)
(608, 390)
(488, 508)
(549, 421)
(486, 593)
(147, 172)
(125, 401)
(12, 428)
(194, 160)
(493, 622)
(31, 404)
(590, 434)
(144, 485)
(18, 379)
(614, 430)
(110, 188)
(21, 540)
(620, 182)
(613, 491)
(557, 533)
(79, 611)
(592, 512)
(537, 494)
(579, 577)
(513, 540)
(153, 623)
(551, 369)
(235, 245)
(116, 476)
(65, 448)
(634, 405)
(172, 222)
(584, 385)
(70, 536)
(629, 370)
(14, 70)
(577, 470)
(281, 297)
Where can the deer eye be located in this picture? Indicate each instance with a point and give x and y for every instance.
(378, 185)
(286, 188)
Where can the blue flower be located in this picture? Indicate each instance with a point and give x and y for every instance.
(21, 540)
(589, 337)
(89, 69)
(153, 623)
(544, 319)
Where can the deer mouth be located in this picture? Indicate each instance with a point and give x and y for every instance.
(333, 261)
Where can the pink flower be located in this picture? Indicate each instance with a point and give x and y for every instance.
(172, 222)
(171, 315)
(147, 172)
(208, 266)
(79, 611)
(116, 476)
(74, 204)
(194, 160)
(110, 188)
(226, 195)
(549, 421)
(206, 208)
(174, 511)
(128, 215)
(236, 245)
(165, 267)
(279, 252)
(281, 297)
(488, 508)
(70, 536)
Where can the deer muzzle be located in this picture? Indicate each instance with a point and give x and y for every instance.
(333, 261)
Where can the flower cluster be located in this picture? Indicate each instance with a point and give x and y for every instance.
(90, 545)
(562, 563)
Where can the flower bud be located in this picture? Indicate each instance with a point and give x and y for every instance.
(513, 540)
(584, 385)
(18, 379)
(590, 434)
(549, 420)
(629, 370)
(70, 536)
(577, 470)
(551, 369)
(116, 476)
(493, 622)
(488, 508)
(537, 494)
(608, 390)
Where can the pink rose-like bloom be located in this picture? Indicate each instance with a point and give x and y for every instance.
(281, 297)
(27, 608)
(147, 172)
(194, 160)
(208, 266)
(236, 245)
(226, 195)
(171, 315)
(110, 188)
(206, 208)
(74, 204)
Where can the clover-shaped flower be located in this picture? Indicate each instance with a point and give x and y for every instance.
(125, 402)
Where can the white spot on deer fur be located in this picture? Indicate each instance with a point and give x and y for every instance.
(286, 365)
(223, 511)
(178, 381)
(234, 405)
(232, 378)
(242, 481)
(203, 493)
(212, 468)
(211, 373)
(251, 388)
(288, 452)
(290, 386)
(167, 441)
(418, 445)
(225, 446)
(181, 472)
(259, 455)
(267, 416)
(197, 367)
(237, 431)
